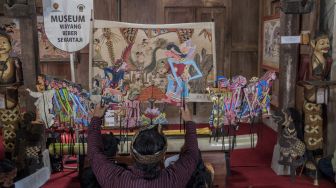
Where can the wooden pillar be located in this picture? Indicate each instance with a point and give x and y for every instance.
(331, 129)
(289, 57)
(26, 13)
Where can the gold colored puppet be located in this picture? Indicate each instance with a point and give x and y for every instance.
(319, 68)
(10, 79)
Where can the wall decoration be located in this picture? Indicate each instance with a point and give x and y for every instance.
(12, 28)
(178, 59)
(271, 43)
(48, 52)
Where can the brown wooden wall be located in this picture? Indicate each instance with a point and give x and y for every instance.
(237, 28)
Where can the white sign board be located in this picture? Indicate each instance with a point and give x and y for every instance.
(290, 39)
(67, 23)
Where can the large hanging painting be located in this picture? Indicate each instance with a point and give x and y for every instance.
(12, 28)
(271, 43)
(178, 59)
(48, 52)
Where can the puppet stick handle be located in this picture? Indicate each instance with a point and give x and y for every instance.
(72, 67)
(183, 104)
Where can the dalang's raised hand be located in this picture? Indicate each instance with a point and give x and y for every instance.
(99, 111)
(186, 115)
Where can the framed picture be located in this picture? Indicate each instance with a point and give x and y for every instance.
(47, 51)
(271, 43)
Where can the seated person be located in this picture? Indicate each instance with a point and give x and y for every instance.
(87, 177)
(203, 175)
(148, 150)
(327, 166)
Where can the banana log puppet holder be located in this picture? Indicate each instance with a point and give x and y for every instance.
(234, 101)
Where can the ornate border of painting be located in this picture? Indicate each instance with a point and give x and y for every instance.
(12, 27)
(113, 41)
(48, 52)
(270, 42)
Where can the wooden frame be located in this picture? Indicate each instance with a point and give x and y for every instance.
(270, 43)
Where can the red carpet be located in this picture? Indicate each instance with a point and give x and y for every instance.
(250, 168)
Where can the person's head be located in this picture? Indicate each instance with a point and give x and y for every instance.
(148, 148)
(111, 143)
(5, 43)
(321, 44)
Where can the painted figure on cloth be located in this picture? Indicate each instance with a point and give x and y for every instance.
(320, 67)
(205, 62)
(132, 106)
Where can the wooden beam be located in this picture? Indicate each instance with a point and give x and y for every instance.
(289, 57)
(331, 128)
(26, 13)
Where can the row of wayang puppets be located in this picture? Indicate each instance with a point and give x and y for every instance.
(61, 103)
(237, 101)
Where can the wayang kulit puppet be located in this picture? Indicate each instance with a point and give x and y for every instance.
(319, 72)
(44, 102)
(292, 149)
(181, 60)
(132, 107)
(11, 78)
(234, 101)
(321, 64)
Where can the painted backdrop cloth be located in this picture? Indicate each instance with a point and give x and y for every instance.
(127, 56)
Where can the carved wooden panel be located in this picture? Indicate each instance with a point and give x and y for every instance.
(179, 14)
(57, 69)
(245, 64)
(246, 27)
(244, 41)
(105, 9)
(144, 11)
